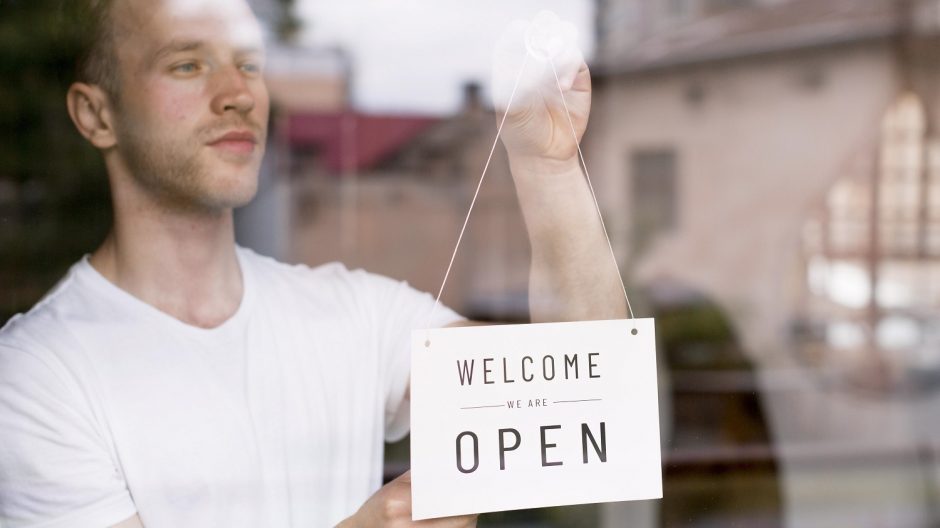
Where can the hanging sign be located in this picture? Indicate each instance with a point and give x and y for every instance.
(526, 416)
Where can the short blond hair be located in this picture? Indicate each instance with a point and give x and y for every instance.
(97, 56)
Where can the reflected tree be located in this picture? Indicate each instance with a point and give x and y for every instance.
(53, 193)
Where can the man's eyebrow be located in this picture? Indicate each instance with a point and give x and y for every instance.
(176, 46)
(250, 50)
(180, 46)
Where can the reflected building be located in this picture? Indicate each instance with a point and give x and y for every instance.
(300, 81)
(779, 158)
(872, 254)
(388, 192)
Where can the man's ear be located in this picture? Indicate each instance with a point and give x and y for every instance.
(90, 110)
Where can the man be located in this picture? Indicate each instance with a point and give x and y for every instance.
(174, 379)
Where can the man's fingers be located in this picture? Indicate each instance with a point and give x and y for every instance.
(463, 521)
(397, 501)
(400, 507)
(536, 81)
(582, 82)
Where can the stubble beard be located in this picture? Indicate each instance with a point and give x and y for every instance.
(175, 175)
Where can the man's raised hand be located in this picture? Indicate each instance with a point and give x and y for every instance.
(536, 58)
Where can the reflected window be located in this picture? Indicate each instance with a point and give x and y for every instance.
(654, 204)
(872, 262)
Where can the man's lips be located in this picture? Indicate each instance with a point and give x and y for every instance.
(236, 142)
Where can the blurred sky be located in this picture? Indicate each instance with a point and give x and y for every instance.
(414, 55)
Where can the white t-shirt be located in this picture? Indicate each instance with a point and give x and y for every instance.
(275, 418)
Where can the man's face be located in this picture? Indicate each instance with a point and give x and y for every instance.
(192, 114)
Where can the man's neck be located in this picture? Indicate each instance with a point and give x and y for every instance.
(183, 265)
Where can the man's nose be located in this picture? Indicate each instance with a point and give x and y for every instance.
(232, 92)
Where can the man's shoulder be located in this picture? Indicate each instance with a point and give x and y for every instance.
(31, 342)
(332, 286)
(45, 320)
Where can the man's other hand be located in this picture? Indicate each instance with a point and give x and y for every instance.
(131, 522)
(390, 507)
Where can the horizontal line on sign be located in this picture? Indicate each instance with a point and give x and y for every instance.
(481, 407)
(576, 401)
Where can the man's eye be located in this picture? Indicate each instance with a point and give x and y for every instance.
(251, 67)
(186, 67)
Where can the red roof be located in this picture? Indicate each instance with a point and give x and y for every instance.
(352, 141)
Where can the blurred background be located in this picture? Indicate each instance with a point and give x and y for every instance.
(769, 171)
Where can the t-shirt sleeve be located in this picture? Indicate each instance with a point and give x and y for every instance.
(55, 468)
(398, 309)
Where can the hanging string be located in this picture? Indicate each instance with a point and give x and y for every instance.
(476, 194)
(466, 220)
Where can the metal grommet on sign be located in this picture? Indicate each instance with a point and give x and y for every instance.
(634, 331)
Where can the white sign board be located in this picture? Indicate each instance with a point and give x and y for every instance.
(527, 416)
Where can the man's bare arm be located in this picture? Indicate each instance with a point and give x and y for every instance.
(572, 275)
